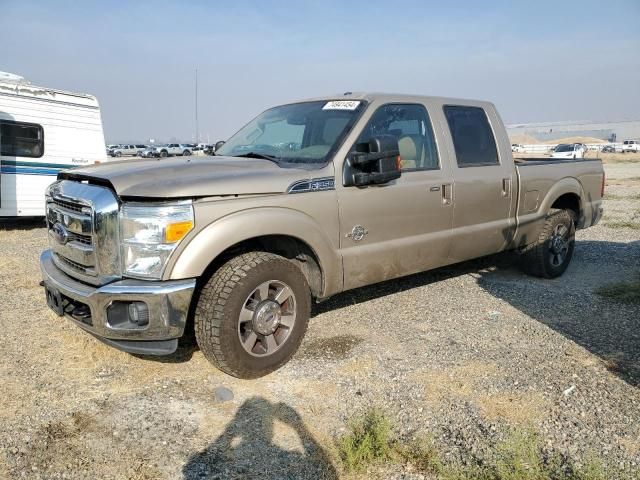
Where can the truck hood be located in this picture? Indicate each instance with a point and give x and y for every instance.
(183, 177)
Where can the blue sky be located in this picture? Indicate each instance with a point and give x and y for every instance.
(537, 60)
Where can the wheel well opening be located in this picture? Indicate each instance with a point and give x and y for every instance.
(286, 246)
(569, 201)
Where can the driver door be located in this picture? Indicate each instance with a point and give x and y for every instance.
(402, 227)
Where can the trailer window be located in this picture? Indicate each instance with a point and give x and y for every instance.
(18, 139)
(473, 139)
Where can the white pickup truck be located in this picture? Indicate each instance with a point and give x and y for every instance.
(630, 146)
(172, 149)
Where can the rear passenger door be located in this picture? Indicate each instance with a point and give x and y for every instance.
(484, 180)
(400, 227)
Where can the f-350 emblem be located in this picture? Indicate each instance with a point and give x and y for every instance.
(357, 233)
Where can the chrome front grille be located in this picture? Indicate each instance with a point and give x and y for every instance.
(83, 231)
(71, 206)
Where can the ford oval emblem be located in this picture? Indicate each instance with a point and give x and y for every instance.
(60, 233)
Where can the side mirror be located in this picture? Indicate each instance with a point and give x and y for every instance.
(373, 163)
(218, 144)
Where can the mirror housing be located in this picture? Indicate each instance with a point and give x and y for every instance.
(218, 144)
(373, 163)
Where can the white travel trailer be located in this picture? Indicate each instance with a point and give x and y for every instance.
(42, 131)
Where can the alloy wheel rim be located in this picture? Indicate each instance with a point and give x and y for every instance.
(559, 245)
(267, 318)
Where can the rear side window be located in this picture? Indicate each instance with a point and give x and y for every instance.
(473, 139)
(18, 139)
(410, 124)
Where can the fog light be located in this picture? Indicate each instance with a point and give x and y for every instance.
(139, 313)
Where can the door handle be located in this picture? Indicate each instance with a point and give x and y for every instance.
(506, 187)
(447, 194)
(435, 188)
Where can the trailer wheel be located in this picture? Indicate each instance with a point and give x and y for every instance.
(551, 254)
(252, 314)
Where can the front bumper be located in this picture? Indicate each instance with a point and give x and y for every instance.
(98, 311)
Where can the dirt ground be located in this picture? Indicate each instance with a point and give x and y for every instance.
(460, 355)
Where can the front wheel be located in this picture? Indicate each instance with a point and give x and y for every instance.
(164, 154)
(551, 254)
(252, 314)
(186, 153)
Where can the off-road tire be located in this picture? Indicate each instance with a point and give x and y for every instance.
(164, 154)
(221, 298)
(186, 153)
(536, 258)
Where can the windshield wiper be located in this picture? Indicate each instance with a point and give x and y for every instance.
(258, 155)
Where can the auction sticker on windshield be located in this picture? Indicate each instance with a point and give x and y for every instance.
(341, 105)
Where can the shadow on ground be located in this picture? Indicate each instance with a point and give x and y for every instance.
(252, 435)
(22, 223)
(570, 305)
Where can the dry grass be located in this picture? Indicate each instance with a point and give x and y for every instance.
(622, 224)
(625, 292)
(520, 456)
(514, 407)
(458, 381)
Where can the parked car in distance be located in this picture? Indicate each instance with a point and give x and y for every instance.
(173, 149)
(364, 190)
(630, 146)
(517, 148)
(608, 149)
(569, 150)
(124, 150)
(147, 152)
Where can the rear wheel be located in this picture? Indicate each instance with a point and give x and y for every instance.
(551, 254)
(252, 314)
(164, 154)
(186, 153)
(118, 154)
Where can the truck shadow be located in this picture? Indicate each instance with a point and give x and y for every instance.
(247, 447)
(571, 306)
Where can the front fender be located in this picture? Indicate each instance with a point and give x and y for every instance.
(237, 227)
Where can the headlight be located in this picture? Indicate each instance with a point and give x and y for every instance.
(150, 233)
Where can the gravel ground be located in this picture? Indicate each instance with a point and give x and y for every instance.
(460, 354)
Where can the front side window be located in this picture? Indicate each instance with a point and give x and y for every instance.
(410, 124)
(473, 139)
(300, 133)
(18, 139)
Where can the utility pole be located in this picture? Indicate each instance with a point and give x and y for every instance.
(197, 134)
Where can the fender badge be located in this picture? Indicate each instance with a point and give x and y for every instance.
(357, 233)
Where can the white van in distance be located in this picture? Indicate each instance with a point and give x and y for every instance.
(42, 131)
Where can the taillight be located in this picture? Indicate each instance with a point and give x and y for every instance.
(602, 186)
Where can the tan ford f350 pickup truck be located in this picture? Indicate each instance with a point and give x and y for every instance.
(307, 200)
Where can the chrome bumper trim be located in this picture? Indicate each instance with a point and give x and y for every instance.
(168, 303)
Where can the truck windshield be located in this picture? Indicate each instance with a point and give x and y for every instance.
(308, 132)
(564, 148)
